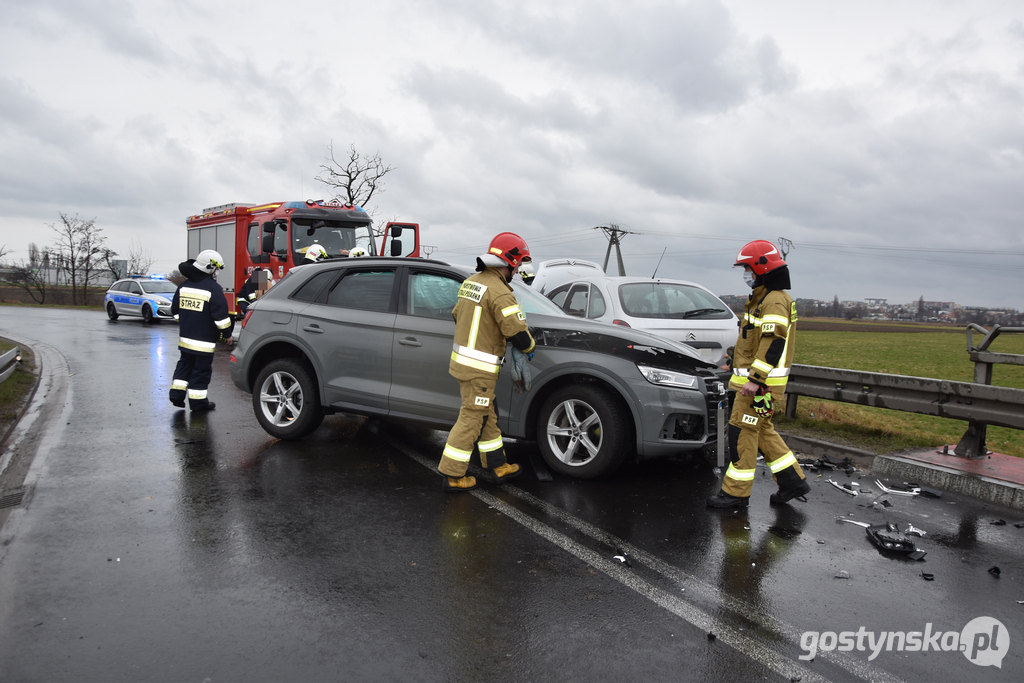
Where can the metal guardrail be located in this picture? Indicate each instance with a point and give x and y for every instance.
(9, 363)
(977, 402)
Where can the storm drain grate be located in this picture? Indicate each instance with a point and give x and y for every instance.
(9, 500)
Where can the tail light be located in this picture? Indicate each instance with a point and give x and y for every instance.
(620, 322)
(246, 318)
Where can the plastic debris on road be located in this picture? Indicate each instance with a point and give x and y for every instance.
(844, 488)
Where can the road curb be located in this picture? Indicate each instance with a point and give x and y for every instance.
(898, 467)
(985, 488)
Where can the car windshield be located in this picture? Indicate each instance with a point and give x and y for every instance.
(337, 237)
(158, 287)
(532, 301)
(670, 300)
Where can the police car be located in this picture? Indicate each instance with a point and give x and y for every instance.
(148, 297)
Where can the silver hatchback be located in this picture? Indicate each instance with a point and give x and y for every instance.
(373, 336)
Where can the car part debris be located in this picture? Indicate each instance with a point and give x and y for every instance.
(1019, 525)
(889, 537)
(913, 530)
(898, 491)
(927, 577)
(994, 571)
(853, 521)
(885, 503)
(930, 493)
(842, 575)
(998, 522)
(844, 489)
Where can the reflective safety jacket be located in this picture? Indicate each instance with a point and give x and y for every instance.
(764, 348)
(201, 310)
(487, 315)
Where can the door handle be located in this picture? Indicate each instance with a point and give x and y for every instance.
(313, 328)
(409, 341)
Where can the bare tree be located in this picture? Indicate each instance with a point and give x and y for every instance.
(82, 253)
(354, 180)
(139, 260)
(4, 251)
(32, 275)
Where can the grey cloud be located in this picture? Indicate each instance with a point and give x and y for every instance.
(112, 22)
(691, 52)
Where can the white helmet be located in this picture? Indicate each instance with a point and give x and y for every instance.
(526, 271)
(358, 251)
(316, 253)
(209, 261)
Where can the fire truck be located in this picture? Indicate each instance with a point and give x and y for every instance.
(276, 236)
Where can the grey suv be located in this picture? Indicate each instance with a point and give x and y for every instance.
(373, 336)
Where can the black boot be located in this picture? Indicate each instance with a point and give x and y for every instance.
(724, 500)
(784, 495)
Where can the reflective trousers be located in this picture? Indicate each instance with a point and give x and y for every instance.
(477, 426)
(748, 434)
(192, 374)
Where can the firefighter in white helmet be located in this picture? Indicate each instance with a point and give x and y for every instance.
(203, 320)
(761, 360)
(315, 253)
(526, 272)
(487, 316)
(357, 252)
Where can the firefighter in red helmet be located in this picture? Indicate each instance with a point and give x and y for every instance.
(761, 362)
(487, 316)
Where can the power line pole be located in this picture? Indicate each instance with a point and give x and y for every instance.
(784, 246)
(614, 234)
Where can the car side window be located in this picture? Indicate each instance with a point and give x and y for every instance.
(134, 288)
(576, 302)
(313, 286)
(432, 295)
(366, 290)
(558, 296)
(597, 305)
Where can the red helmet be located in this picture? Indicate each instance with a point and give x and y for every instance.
(761, 255)
(510, 248)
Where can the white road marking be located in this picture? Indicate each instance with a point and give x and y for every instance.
(697, 617)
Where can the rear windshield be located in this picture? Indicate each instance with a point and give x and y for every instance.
(159, 287)
(670, 300)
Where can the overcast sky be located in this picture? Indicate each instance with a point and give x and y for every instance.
(884, 138)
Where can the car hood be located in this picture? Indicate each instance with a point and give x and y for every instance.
(636, 345)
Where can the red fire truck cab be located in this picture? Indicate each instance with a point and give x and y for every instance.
(276, 236)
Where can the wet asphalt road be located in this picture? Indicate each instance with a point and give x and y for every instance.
(153, 545)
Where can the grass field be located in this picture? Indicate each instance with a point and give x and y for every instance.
(941, 354)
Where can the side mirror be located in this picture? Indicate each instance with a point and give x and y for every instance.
(268, 241)
(396, 246)
(396, 230)
(268, 227)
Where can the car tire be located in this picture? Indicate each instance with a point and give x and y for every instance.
(583, 431)
(147, 315)
(111, 311)
(286, 399)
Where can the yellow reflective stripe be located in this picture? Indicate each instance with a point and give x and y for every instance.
(223, 324)
(196, 345)
(777, 319)
(478, 355)
(736, 382)
(456, 454)
(179, 384)
(474, 329)
(510, 310)
(195, 293)
(488, 446)
(752, 320)
(788, 460)
(197, 394)
(475, 364)
(738, 474)
(761, 366)
(776, 381)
